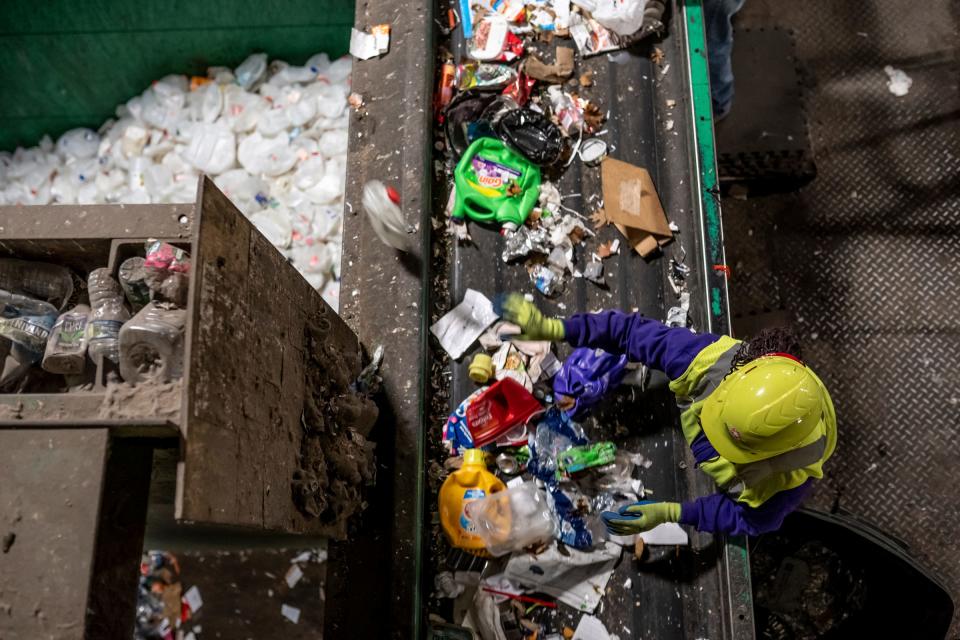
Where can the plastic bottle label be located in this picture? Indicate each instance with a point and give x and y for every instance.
(69, 333)
(493, 174)
(469, 496)
(31, 332)
(103, 330)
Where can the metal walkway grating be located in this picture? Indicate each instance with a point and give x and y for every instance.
(865, 261)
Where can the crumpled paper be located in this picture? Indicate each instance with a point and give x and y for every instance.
(463, 324)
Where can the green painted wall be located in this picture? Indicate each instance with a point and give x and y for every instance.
(66, 63)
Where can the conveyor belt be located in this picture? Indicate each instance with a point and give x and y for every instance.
(675, 595)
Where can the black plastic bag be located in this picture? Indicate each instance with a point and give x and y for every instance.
(532, 134)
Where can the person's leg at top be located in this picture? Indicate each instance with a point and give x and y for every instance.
(717, 16)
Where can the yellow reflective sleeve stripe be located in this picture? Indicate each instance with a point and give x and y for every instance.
(685, 385)
(690, 384)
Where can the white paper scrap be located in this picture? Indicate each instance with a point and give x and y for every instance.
(459, 328)
(193, 599)
(290, 613)
(898, 81)
(576, 578)
(363, 46)
(590, 628)
(667, 533)
(304, 556)
(294, 573)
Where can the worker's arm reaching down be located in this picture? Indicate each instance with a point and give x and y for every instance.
(757, 420)
(642, 339)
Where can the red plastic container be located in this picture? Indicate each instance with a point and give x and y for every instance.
(499, 409)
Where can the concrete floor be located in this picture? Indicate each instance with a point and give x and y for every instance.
(863, 262)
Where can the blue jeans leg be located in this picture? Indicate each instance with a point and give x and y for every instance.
(717, 15)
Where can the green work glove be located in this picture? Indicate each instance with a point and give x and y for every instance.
(722, 471)
(514, 308)
(640, 516)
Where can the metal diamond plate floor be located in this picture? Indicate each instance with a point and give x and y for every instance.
(865, 261)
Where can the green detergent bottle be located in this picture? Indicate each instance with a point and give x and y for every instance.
(485, 179)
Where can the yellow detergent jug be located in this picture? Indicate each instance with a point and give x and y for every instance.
(471, 482)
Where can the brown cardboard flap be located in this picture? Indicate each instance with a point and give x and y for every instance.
(631, 203)
(556, 73)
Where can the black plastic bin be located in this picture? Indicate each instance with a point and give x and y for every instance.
(835, 576)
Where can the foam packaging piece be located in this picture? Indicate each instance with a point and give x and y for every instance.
(273, 137)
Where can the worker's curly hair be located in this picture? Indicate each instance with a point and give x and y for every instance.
(775, 340)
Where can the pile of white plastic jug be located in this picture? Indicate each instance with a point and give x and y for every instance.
(273, 136)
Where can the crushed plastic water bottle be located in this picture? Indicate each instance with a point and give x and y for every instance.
(273, 136)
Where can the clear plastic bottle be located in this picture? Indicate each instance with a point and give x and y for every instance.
(66, 351)
(107, 316)
(26, 323)
(513, 519)
(151, 344)
(133, 280)
(42, 280)
(15, 304)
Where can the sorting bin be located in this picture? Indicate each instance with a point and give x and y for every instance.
(255, 329)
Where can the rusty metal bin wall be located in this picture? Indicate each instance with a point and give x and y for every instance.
(83, 476)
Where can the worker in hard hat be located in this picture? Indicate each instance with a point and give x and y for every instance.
(757, 419)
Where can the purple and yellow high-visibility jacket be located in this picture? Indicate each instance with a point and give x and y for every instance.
(696, 363)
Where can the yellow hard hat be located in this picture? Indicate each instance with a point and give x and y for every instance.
(767, 407)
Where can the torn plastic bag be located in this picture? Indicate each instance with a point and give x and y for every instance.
(465, 109)
(579, 580)
(587, 375)
(556, 433)
(532, 134)
(577, 528)
(625, 17)
(484, 75)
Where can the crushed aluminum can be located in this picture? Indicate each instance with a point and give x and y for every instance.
(525, 241)
(678, 274)
(677, 316)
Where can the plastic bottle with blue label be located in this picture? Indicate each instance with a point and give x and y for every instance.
(107, 317)
(471, 482)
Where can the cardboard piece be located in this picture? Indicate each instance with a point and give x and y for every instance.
(556, 73)
(631, 203)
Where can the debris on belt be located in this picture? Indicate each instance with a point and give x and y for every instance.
(461, 327)
(163, 607)
(518, 500)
